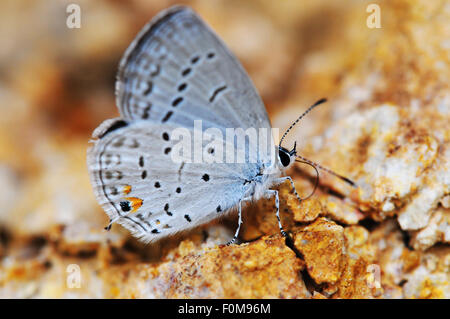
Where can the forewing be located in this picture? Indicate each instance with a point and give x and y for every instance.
(177, 71)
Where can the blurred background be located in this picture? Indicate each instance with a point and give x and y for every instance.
(57, 86)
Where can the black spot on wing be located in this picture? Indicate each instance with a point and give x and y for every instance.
(195, 59)
(177, 101)
(113, 191)
(146, 111)
(182, 87)
(115, 126)
(216, 91)
(125, 206)
(167, 116)
(149, 88)
(166, 209)
(186, 71)
(119, 142)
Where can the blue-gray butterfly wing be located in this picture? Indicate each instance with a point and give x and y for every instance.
(140, 185)
(177, 70)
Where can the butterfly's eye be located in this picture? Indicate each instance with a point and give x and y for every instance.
(285, 159)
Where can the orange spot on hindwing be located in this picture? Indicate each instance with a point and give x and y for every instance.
(135, 203)
(127, 189)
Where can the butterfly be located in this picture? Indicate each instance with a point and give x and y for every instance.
(174, 73)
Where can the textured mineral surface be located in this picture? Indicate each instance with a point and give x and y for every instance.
(385, 126)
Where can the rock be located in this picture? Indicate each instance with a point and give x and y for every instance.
(431, 278)
(340, 210)
(360, 275)
(263, 269)
(437, 230)
(308, 211)
(322, 244)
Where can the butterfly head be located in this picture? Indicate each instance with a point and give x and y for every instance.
(285, 156)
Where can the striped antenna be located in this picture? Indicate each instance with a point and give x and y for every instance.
(345, 179)
(300, 117)
(317, 179)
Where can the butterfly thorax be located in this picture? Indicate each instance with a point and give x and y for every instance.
(262, 180)
(268, 174)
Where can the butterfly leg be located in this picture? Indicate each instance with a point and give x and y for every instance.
(108, 228)
(282, 179)
(239, 221)
(112, 221)
(270, 193)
